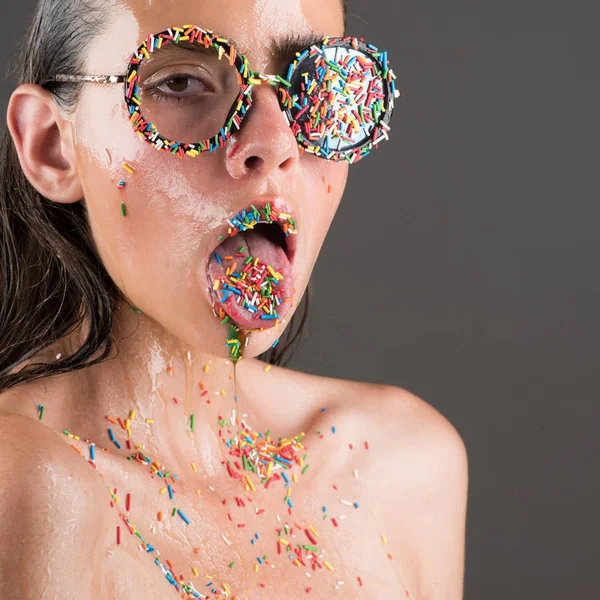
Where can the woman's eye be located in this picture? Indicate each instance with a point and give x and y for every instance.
(182, 85)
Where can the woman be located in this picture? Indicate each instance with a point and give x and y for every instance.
(170, 466)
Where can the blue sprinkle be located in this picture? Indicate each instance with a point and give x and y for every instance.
(183, 516)
(333, 428)
(170, 491)
(324, 509)
(356, 505)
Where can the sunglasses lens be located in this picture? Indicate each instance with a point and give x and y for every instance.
(338, 96)
(186, 90)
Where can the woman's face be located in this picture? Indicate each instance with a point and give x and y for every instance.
(159, 254)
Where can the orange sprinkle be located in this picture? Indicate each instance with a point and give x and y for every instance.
(112, 420)
(160, 516)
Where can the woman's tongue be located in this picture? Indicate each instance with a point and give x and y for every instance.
(254, 244)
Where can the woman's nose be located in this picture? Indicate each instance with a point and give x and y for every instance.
(264, 143)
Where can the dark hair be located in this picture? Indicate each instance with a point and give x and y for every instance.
(51, 276)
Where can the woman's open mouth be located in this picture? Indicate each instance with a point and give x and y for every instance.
(250, 271)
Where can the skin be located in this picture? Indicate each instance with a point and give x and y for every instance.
(158, 255)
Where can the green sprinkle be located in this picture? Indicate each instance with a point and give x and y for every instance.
(305, 469)
(174, 511)
(231, 564)
(284, 81)
(225, 320)
(192, 422)
(41, 411)
(220, 238)
(123, 209)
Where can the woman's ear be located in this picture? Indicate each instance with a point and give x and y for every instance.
(44, 143)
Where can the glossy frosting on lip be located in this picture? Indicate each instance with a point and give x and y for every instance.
(231, 228)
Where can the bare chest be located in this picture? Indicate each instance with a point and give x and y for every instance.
(200, 537)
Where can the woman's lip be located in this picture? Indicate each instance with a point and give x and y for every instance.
(281, 206)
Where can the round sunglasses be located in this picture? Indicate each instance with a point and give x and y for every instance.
(187, 90)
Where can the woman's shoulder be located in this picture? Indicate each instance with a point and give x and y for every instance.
(389, 410)
(415, 463)
(52, 513)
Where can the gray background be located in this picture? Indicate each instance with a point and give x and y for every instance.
(477, 226)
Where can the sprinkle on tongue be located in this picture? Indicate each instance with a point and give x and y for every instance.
(260, 275)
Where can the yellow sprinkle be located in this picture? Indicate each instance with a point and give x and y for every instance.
(194, 467)
(226, 588)
(198, 492)
(252, 485)
(128, 168)
(297, 562)
(268, 368)
(289, 492)
(206, 368)
(384, 539)
(132, 415)
(162, 491)
(269, 467)
(222, 392)
(133, 74)
(294, 477)
(312, 529)
(285, 542)
(195, 571)
(256, 568)
(216, 284)
(126, 423)
(328, 565)
(149, 420)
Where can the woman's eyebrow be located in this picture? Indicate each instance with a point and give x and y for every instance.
(283, 49)
(286, 48)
